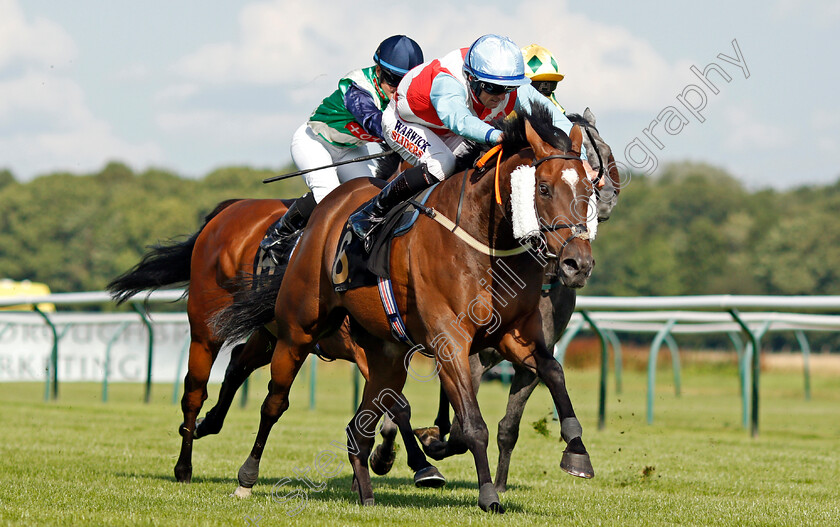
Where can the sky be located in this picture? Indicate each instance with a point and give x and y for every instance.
(191, 86)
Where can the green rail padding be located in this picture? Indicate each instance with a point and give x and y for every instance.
(52, 375)
(755, 355)
(568, 334)
(617, 359)
(652, 356)
(147, 397)
(675, 362)
(806, 360)
(738, 343)
(182, 358)
(602, 389)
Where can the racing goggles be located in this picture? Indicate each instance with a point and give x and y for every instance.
(545, 87)
(388, 77)
(495, 89)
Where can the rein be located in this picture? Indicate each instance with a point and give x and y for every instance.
(577, 230)
(586, 126)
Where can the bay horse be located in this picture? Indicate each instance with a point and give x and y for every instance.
(437, 278)
(209, 260)
(556, 307)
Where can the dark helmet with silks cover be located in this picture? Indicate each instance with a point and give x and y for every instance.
(395, 56)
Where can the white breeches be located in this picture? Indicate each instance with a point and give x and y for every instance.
(310, 150)
(418, 144)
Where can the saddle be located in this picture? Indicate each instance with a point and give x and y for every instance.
(354, 267)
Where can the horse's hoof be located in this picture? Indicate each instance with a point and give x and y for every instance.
(242, 492)
(577, 465)
(429, 477)
(369, 502)
(207, 425)
(427, 436)
(488, 499)
(430, 440)
(183, 474)
(381, 463)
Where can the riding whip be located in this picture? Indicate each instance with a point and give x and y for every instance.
(308, 170)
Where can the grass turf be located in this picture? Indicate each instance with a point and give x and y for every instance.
(79, 461)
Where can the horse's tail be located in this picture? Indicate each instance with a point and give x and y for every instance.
(252, 306)
(166, 264)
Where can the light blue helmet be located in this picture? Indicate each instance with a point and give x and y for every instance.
(496, 60)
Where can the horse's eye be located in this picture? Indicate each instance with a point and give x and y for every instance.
(543, 189)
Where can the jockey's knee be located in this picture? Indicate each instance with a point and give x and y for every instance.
(441, 165)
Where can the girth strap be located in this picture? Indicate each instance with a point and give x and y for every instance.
(389, 303)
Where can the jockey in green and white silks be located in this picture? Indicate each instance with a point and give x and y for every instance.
(334, 133)
(334, 122)
(345, 126)
(348, 123)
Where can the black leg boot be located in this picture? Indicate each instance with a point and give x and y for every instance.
(288, 225)
(407, 184)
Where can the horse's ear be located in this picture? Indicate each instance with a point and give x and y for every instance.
(577, 138)
(589, 116)
(541, 148)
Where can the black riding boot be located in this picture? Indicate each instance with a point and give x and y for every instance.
(405, 185)
(288, 225)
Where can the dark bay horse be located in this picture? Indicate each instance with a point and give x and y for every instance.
(556, 306)
(208, 261)
(601, 158)
(438, 279)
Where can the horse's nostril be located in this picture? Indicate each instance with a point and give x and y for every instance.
(571, 263)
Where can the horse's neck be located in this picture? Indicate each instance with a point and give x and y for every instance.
(613, 175)
(481, 217)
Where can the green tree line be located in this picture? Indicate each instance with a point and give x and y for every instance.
(696, 230)
(693, 229)
(78, 232)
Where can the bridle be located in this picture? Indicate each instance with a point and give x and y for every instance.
(578, 230)
(586, 127)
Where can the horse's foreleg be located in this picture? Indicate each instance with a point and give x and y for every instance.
(244, 359)
(285, 364)
(195, 392)
(456, 380)
(425, 474)
(575, 459)
(522, 386)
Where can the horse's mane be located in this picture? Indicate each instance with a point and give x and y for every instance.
(513, 139)
(576, 118)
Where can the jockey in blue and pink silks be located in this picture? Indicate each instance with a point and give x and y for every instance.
(441, 104)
